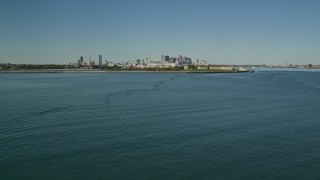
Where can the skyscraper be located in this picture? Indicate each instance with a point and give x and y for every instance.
(180, 58)
(81, 60)
(148, 59)
(166, 58)
(100, 60)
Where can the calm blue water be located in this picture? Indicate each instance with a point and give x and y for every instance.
(263, 125)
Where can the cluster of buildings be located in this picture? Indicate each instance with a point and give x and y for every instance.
(149, 62)
(287, 65)
(90, 62)
(5, 65)
(166, 61)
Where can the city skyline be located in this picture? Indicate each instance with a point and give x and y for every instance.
(222, 32)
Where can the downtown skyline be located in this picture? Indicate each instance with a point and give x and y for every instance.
(222, 32)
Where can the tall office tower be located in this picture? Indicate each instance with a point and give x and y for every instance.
(155, 59)
(81, 60)
(180, 58)
(100, 60)
(167, 58)
(138, 61)
(162, 58)
(148, 59)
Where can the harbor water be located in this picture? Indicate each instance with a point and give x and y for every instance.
(262, 125)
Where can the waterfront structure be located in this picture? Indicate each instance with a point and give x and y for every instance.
(161, 65)
(223, 68)
(201, 63)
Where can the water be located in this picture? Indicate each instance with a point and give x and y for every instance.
(262, 125)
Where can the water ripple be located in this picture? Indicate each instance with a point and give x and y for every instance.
(160, 126)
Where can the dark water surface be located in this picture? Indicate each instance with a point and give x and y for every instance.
(263, 125)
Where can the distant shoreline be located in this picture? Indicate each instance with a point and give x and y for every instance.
(46, 71)
(79, 71)
(99, 71)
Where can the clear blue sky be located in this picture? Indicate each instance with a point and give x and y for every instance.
(220, 31)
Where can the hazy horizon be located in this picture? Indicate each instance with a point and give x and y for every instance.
(222, 32)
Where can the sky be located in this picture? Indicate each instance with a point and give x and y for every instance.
(219, 31)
